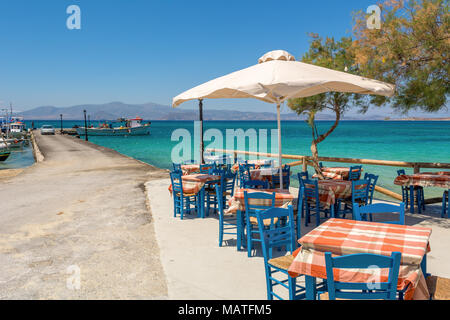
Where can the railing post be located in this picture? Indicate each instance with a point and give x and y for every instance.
(235, 157)
(304, 165)
(416, 168)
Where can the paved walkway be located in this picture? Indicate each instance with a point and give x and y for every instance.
(82, 209)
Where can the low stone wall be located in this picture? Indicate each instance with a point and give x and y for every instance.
(38, 156)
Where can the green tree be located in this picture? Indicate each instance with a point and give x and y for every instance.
(411, 50)
(335, 55)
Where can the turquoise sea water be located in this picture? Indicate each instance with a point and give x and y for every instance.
(411, 141)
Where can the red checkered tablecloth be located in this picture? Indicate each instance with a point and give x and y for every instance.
(283, 198)
(425, 179)
(342, 237)
(193, 183)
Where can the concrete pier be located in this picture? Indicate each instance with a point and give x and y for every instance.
(78, 217)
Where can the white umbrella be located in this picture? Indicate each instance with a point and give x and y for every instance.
(278, 77)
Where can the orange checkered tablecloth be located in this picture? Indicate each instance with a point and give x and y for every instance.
(190, 168)
(193, 183)
(283, 198)
(331, 190)
(342, 237)
(425, 179)
(335, 173)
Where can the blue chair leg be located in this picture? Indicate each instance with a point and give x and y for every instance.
(411, 198)
(249, 238)
(292, 285)
(318, 216)
(311, 290)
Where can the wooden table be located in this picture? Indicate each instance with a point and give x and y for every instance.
(342, 237)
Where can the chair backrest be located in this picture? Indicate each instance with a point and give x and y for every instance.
(263, 201)
(177, 182)
(303, 175)
(320, 165)
(401, 172)
(176, 166)
(229, 182)
(244, 174)
(286, 170)
(256, 184)
(365, 291)
(362, 212)
(310, 189)
(276, 234)
(206, 168)
(372, 183)
(354, 173)
(360, 191)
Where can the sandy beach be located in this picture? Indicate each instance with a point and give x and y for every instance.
(82, 209)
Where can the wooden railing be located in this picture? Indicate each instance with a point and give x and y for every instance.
(305, 161)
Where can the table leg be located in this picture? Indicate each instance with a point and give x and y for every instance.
(239, 230)
(411, 199)
(202, 203)
(311, 290)
(423, 265)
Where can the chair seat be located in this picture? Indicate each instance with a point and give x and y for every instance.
(254, 221)
(187, 194)
(438, 287)
(283, 262)
(358, 201)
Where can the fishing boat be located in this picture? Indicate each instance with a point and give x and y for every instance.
(17, 128)
(4, 154)
(128, 127)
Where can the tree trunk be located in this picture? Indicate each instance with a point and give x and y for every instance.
(319, 139)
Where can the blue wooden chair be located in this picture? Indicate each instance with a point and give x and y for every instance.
(360, 196)
(274, 234)
(226, 222)
(445, 204)
(409, 195)
(176, 166)
(372, 183)
(363, 291)
(301, 175)
(286, 170)
(312, 201)
(405, 190)
(182, 202)
(244, 174)
(377, 208)
(251, 222)
(256, 184)
(354, 173)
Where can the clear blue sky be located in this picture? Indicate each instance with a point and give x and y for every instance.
(140, 51)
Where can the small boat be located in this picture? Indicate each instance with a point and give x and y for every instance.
(4, 151)
(129, 127)
(4, 154)
(14, 143)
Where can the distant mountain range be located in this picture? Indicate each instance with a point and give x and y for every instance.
(154, 111)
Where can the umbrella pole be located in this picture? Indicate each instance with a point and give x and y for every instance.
(279, 146)
(200, 111)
